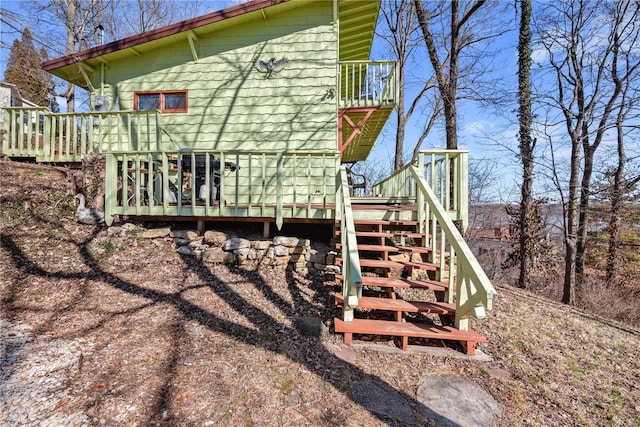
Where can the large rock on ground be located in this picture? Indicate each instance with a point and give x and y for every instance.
(453, 401)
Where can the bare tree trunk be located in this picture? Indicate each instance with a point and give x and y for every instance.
(527, 144)
(583, 209)
(447, 82)
(618, 191)
(569, 290)
(401, 123)
(70, 93)
(400, 24)
(613, 255)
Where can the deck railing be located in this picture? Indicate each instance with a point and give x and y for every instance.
(367, 83)
(445, 171)
(206, 183)
(23, 131)
(68, 137)
(351, 273)
(437, 181)
(474, 291)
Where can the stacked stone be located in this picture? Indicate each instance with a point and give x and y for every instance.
(216, 247)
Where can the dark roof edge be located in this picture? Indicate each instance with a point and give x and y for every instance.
(159, 33)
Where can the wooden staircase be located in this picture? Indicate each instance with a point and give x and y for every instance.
(404, 292)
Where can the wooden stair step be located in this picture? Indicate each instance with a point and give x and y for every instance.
(415, 249)
(389, 304)
(404, 222)
(375, 263)
(387, 282)
(422, 266)
(405, 329)
(387, 234)
(431, 284)
(373, 248)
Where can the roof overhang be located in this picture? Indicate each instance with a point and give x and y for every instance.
(357, 23)
(357, 20)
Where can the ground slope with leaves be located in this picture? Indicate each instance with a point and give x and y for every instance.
(167, 340)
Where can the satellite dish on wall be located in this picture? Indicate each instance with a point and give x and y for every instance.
(101, 104)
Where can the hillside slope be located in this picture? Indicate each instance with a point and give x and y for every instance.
(108, 328)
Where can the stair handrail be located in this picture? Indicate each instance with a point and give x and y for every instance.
(351, 272)
(475, 292)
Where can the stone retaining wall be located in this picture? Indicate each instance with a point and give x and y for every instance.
(217, 247)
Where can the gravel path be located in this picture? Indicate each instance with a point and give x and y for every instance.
(34, 378)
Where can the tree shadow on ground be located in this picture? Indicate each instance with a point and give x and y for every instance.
(369, 391)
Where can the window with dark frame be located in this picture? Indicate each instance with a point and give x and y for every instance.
(167, 101)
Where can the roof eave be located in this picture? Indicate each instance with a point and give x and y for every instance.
(168, 30)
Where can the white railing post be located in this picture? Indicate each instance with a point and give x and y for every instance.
(110, 190)
(463, 190)
(351, 273)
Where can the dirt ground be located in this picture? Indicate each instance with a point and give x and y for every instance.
(168, 340)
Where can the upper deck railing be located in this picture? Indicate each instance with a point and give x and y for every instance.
(68, 137)
(367, 84)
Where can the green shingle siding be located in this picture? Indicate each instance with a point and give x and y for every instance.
(231, 104)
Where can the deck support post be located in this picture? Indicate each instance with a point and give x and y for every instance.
(266, 230)
(200, 227)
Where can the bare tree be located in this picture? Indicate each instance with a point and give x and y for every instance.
(145, 15)
(399, 32)
(583, 41)
(77, 17)
(459, 37)
(622, 185)
(527, 224)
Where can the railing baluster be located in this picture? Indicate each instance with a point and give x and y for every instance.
(124, 179)
(309, 186)
(324, 180)
(263, 188)
(294, 184)
(249, 184)
(192, 181)
(138, 128)
(46, 135)
(164, 189)
(222, 189)
(29, 145)
(451, 290)
(279, 189)
(237, 185)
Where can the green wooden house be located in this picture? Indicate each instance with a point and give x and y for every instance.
(250, 113)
